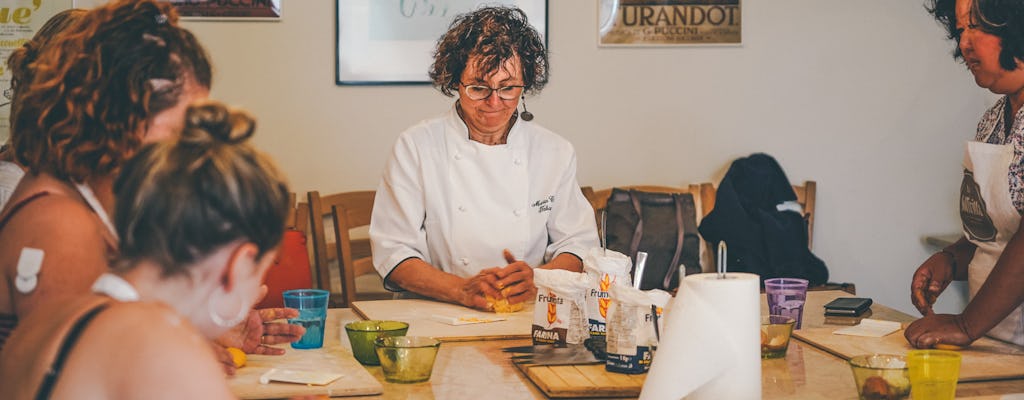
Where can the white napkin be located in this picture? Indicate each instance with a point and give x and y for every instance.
(711, 346)
(299, 376)
(870, 328)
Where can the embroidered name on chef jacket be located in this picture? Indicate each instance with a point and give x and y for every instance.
(544, 205)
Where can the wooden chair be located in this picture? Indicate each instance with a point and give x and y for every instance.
(599, 201)
(347, 211)
(805, 195)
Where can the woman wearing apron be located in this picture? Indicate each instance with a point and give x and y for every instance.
(990, 255)
(472, 200)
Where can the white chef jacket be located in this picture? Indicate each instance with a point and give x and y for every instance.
(456, 203)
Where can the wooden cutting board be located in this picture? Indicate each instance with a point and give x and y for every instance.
(419, 312)
(355, 380)
(986, 359)
(579, 381)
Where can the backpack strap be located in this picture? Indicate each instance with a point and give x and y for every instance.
(680, 235)
(638, 233)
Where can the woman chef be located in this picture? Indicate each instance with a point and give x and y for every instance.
(472, 200)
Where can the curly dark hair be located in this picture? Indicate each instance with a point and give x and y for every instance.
(1002, 18)
(21, 59)
(493, 35)
(98, 84)
(180, 200)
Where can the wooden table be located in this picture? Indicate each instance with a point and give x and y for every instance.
(478, 369)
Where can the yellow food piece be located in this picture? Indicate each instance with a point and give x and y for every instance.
(237, 356)
(777, 341)
(501, 306)
(943, 346)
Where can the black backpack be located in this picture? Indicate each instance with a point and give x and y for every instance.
(664, 225)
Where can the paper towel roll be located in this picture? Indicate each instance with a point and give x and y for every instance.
(711, 347)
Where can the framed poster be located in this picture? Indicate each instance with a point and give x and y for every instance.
(669, 22)
(225, 10)
(392, 41)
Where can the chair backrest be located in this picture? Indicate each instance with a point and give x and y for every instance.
(293, 266)
(347, 216)
(805, 195)
(352, 256)
(701, 192)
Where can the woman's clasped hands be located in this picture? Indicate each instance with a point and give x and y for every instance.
(512, 283)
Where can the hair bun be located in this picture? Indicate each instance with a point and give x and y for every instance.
(210, 122)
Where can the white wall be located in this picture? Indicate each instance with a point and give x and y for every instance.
(862, 97)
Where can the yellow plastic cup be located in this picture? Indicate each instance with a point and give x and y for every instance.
(933, 373)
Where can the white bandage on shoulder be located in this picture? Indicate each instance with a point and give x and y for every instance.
(29, 264)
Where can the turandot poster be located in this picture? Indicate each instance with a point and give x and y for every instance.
(669, 22)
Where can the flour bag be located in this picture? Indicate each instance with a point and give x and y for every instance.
(559, 315)
(605, 268)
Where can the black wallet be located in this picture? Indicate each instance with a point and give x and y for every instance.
(847, 306)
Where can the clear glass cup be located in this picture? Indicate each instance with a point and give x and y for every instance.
(407, 359)
(786, 296)
(934, 373)
(312, 306)
(361, 335)
(880, 376)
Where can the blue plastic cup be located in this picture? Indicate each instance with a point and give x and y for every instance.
(312, 306)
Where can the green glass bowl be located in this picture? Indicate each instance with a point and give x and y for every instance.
(361, 335)
(407, 359)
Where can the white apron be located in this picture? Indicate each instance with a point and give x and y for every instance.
(989, 221)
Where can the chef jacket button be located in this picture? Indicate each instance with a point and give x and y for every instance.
(517, 161)
(464, 260)
(462, 208)
(518, 212)
(458, 156)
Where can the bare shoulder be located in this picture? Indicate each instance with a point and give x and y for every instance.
(74, 249)
(156, 350)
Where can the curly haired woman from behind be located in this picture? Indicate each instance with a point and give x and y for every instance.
(200, 219)
(120, 77)
(19, 63)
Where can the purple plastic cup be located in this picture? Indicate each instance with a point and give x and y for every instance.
(786, 297)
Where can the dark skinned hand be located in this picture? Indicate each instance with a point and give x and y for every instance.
(934, 329)
(930, 279)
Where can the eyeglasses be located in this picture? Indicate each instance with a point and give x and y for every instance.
(478, 92)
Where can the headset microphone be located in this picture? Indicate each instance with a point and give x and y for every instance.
(527, 116)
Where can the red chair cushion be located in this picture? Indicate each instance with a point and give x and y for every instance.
(290, 270)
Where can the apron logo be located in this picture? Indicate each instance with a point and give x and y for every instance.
(544, 205)
(973, 212)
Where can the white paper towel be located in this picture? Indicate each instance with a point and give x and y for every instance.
(711, 347)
